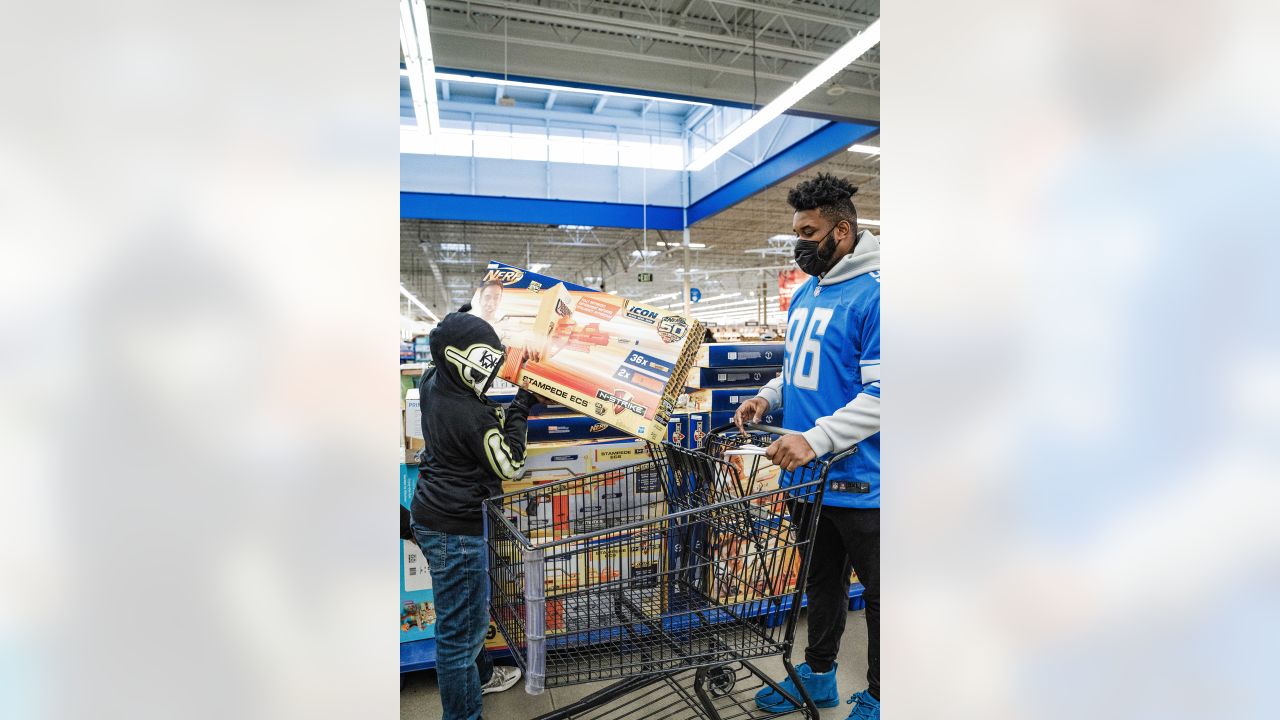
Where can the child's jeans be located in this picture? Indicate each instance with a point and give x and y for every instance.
(460, 585)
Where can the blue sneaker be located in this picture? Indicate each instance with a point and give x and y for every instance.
(821, 687)
(865, 707)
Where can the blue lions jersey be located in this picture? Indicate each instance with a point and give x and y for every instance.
(833, 346)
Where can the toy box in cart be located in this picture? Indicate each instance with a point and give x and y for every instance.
(619, 362)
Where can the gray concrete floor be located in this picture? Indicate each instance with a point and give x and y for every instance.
(420, 696)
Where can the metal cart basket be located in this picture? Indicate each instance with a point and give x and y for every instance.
(646, 572)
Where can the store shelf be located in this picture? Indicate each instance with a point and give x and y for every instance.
(775, 618)
(421, 654)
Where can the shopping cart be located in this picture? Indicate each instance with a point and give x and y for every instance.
(657, 575)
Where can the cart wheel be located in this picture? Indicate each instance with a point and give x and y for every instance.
(720, 680)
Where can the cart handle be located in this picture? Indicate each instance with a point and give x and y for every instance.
(781, 431)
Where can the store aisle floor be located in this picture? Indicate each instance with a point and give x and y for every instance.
(420, 698)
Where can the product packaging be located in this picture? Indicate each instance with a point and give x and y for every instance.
(746, 570)
(725, 417)
(731, 377)
(570, 427)
(722, 355)
(551, 461)
(719, 399)
(417, 599)
(699, 426)
(619, 362)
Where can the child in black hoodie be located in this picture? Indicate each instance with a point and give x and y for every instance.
(473, 445)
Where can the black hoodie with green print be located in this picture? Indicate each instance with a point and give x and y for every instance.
(473, 445)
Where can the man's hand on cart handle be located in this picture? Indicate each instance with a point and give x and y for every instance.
(790, 452)
(750, 412)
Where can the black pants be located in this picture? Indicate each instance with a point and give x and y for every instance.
(847, 539)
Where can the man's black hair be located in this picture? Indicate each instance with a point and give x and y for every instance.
(830, 195)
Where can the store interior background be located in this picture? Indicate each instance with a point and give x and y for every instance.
(575, 165)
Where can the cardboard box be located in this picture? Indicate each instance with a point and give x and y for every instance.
(731, 377)
(699, 426)
(550, 461)
(722, 355)
(718, 399)
(630, 493)
(619, 362)
(570, 427)
(744, 570)
(626, 568)
(412, 414)
(726, 417)
(417, 599)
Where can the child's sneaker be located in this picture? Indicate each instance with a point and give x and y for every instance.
(865, 707)
(821, 687)
(504, 676)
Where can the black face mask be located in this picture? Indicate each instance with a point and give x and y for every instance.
(815, 257)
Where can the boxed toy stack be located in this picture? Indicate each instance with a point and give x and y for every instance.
(617, 362)
(727, 375)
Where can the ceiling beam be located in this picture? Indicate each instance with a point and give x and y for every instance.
(620, 54)
(788, 11)
(631, 27)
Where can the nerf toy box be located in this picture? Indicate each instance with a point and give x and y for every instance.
(616, 361)
(699, 426)
(746, 571)
(719, 399)
(570, 427)
(731, 377)
(722, 355)
(550, 461)
(725, 417)
(621, 497)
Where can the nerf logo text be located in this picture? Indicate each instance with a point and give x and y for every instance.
(506, 276)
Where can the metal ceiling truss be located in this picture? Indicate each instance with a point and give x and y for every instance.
(769, 41)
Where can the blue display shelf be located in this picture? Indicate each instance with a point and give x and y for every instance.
(775, 618)
(421, 654)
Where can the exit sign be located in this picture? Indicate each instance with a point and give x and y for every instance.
(644, 277)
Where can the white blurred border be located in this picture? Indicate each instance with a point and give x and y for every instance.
(197, 343)
(1081, 477)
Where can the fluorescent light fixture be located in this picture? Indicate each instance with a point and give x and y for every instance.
(420, 66)
(865, 149)
(655, 298)
(583, 228)
(645, 253)
(539, 267)
(675, 244)
(455, 247)
(825, 70)
(782, 238)
(411, 298)
(872, 223)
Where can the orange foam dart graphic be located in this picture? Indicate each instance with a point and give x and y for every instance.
(651, 384)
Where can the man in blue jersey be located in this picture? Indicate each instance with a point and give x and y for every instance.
(829, 393)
